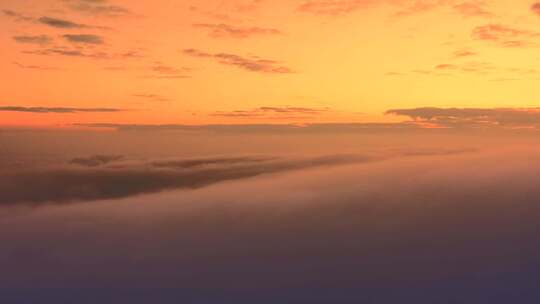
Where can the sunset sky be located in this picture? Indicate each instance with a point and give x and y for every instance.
(68, 62)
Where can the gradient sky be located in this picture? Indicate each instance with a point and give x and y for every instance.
(261, 61)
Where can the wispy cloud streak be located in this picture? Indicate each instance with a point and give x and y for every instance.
(253, 64)
(47, 110)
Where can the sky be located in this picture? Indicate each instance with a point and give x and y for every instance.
(257, 61)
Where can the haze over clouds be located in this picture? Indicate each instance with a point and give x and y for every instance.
(286, 235)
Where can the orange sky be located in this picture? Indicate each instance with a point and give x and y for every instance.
(261, 61)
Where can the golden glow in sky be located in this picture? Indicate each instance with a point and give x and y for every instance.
(260, 61)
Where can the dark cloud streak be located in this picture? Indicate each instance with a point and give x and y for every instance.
(60, 23)
(33, 66)
(18, 16)
(253, 64)
(41, 39)
(273, 112)
(51, 21)
(314, 128)
(46, 110)
(97, 8)
(95, 160)
(83, 38)
(84, 53)
(226, 30)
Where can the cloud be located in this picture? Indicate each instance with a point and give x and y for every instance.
(169, 70)
(16, 15)
(95, 160)
(210, 161)
(246, 5)
(311, 128)
(335, 7)
(473, 117)
(171, 77)
(33, 66)
(446, 66)
(253, 64)
(464, 53)
(87, 39)
(225, 30)
(84, 53)
(273, 112)
(478, 67)
(472, 9)
(394, 74)
(41, 39)
(504, 35)
(535, 8)
(404, 7)
(60, 23)
(153, 97)
(423, 119)
(62, 185)
(46, 110)
(163, 71)
(419, 6)
(394, 227)
(97, 8)
(228, 10)
(67, 52)
(52, 21)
